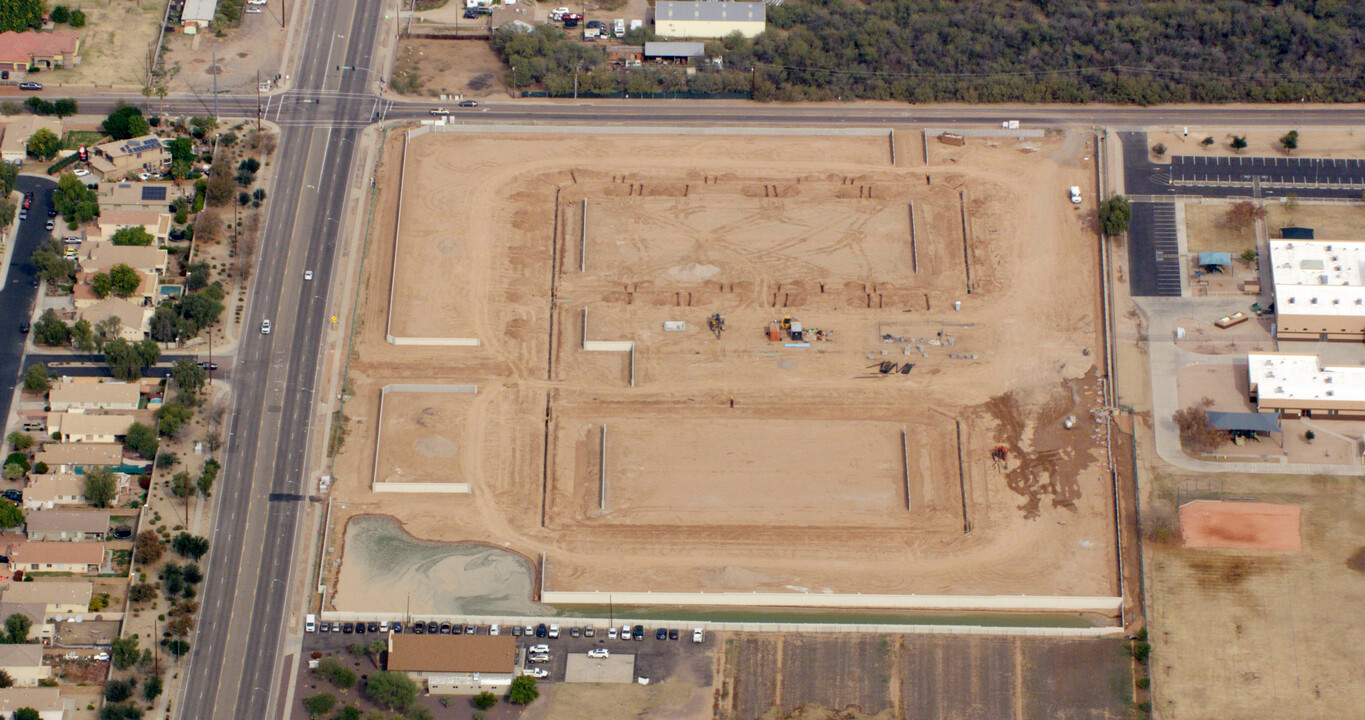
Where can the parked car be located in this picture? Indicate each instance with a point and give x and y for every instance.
(589, 632)
(541, 630)
(493, 629)
(538, 673)
(538, 659)
(23, 214)
(554, 631)
(516, 631)
(639, 632)
(575, 632)
(396, 628)
(50, 224)
(457, 629)
(611, 633)
(538, 649)
(419, 629)
(80, 172)
(445, 628)
(30, 86)
(470, 15)
(360, 628)
(672, 634)
(336, 627)
(348, 628)
(254, 11)
(661, 634)
(599, 653)
(697, 635)
(433, 628)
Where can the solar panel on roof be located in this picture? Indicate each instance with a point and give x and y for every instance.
(153, 192)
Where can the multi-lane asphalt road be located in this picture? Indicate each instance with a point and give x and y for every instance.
(235, 661)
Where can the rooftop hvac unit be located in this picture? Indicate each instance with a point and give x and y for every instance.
(1329, 393)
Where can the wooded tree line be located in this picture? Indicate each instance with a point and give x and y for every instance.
(1126, 51)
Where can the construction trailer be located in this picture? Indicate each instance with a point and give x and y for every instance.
(775, 331)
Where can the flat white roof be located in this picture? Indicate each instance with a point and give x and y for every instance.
(1303, 377)
(1318, 277)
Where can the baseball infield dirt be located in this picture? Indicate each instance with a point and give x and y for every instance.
(1240, 526)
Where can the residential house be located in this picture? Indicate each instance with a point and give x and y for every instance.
(91, 394)
(120, 158)
(197, 14)
(14, 145)
(135, 321)
(98, 256)
(20, 51)
(157, 223)
(59, 598)
(83, 294)
(81, 426)
(57, 557)
(159, 196)
(77, 457)
(66, 526)
(467, 664)
(39, 629)
(24, 663)
(48, 491)
(46, 700)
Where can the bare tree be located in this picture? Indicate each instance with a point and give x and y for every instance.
(1243, 215)
(1196, 431)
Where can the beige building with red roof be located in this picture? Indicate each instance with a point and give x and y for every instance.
(20, 51)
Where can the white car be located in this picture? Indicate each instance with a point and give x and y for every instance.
(538, 649)
(254, 11)
(440, 111)
(256, 2)
(538, 658)
(599, 653)
(265, 327)
(611, 633)
(102, 656)
(383, 626)
(144, 176)
(307, 274)
(554, 631)
(80, 172)
(697, 635)
(539, 673)
(494, 630)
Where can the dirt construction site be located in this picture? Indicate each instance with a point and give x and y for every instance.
(787, 364)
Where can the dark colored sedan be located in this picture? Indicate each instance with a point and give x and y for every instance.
(396, 628)
(672, 634)
(661, 634)
(433, 628)
(445, 628)
(418, 629)
(30, 86)
(639, 632)
(541, 630)
(372, 627)
(209, 365)
(348, 628)
(457, 630)
(360, 628)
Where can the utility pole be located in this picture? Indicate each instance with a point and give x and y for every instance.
(215, 85)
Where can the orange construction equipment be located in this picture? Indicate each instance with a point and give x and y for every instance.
(775, 332)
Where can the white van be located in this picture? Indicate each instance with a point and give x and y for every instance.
(1075, 195)
(310, 623)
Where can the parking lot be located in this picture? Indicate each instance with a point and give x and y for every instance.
(654, 659)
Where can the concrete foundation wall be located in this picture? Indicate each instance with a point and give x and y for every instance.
(609, 345)
(988, 603)
(438, 488)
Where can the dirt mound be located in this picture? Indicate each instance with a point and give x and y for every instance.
(435, 446)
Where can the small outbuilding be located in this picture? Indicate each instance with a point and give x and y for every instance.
(455, 664)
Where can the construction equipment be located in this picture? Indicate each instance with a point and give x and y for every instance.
(794, 330)
(786, 322)
(775, 332)
(1000, 456)
(717, 324)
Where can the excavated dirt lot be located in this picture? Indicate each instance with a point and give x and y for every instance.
(733, 462)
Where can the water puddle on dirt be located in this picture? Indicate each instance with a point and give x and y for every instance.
(385, 568)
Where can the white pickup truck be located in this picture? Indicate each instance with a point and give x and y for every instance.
(1075, 195)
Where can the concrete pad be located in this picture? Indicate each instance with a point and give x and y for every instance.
(614, 669)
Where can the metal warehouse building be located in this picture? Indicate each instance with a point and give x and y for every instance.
(708, 19)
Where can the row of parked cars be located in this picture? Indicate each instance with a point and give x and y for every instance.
(444, 628)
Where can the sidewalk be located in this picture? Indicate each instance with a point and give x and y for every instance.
(1166, 362)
